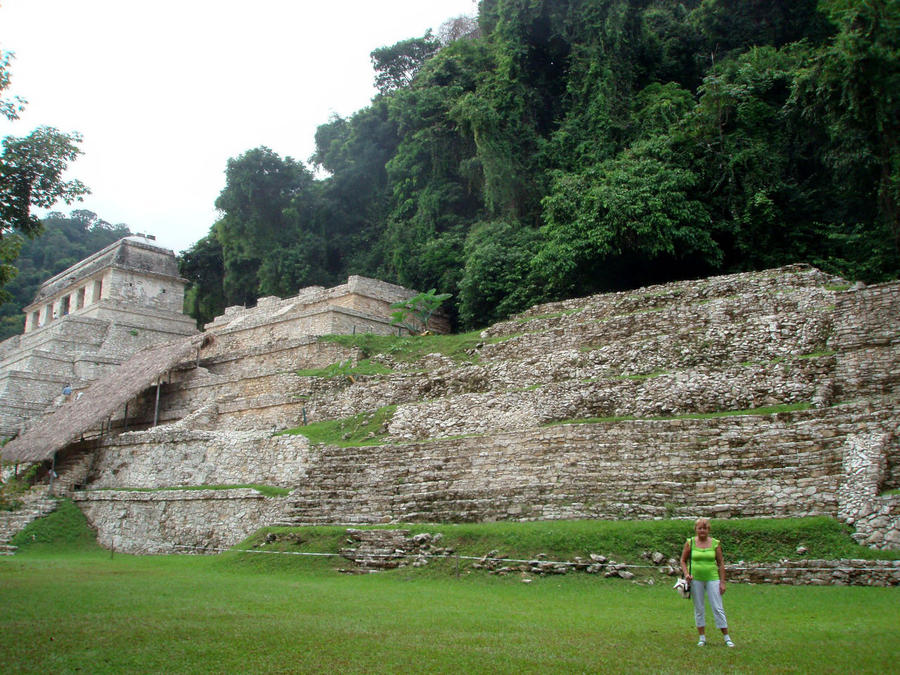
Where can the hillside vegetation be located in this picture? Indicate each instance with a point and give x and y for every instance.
(64, 241)
(556, 148)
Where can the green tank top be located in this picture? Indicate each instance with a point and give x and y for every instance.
(703, 561)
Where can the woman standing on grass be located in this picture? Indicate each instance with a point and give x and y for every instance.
(706, 575)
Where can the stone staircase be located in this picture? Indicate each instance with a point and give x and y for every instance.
(43, 498)
(72, 471)
(36, 503)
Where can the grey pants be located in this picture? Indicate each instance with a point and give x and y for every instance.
(700, 589)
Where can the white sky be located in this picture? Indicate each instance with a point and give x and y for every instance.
(164, 92)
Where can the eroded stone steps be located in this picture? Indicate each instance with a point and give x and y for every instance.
(37, 504)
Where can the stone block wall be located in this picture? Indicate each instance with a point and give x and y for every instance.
(148, 290)
(844, 572)
(168, 456)
(85, 321)
(162, 522)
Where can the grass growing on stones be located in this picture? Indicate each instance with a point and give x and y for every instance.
(368, 428)
(345, 369)
(765, 410)
(267, 490)
(411, 348)
(748, 539)
(552, 315)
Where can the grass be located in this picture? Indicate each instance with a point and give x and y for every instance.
(88, 612)
(344, 369)
(748, 539)
(364, 429)
(411, 348)
(370, 428)
(12, 489)
(267, 490)
(70, 607)
(66, 529)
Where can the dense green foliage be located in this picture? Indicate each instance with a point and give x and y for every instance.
(572, 146)
(65, 241)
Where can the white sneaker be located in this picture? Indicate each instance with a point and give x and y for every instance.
(728, 642)
(702, 643)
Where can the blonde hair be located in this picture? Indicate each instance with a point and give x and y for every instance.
(701, 520)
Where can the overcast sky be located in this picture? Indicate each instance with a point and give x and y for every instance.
(164, 92)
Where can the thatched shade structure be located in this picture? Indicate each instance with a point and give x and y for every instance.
(67, 423)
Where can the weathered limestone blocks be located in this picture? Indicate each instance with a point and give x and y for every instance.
(166, 457)
(766, 465)
(844, 572)
(864, 469)
(666, 394)
(359, 306)
(88, 319)
(726, 330)
(465, 442)
(298, 353)
(164, 521)
(769, 283)
(866, 316)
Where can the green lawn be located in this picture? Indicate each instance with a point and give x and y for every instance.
(68, 610)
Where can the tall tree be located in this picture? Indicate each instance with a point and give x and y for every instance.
(203, 267)
(31, 169)
(254, 229)
(397, 65)
(850, 90)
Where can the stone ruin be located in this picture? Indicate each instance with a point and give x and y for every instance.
(85, 321)
(767, 394)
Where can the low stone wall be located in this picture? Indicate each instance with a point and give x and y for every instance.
(844, 572)
(161, 522)
(864, 468)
